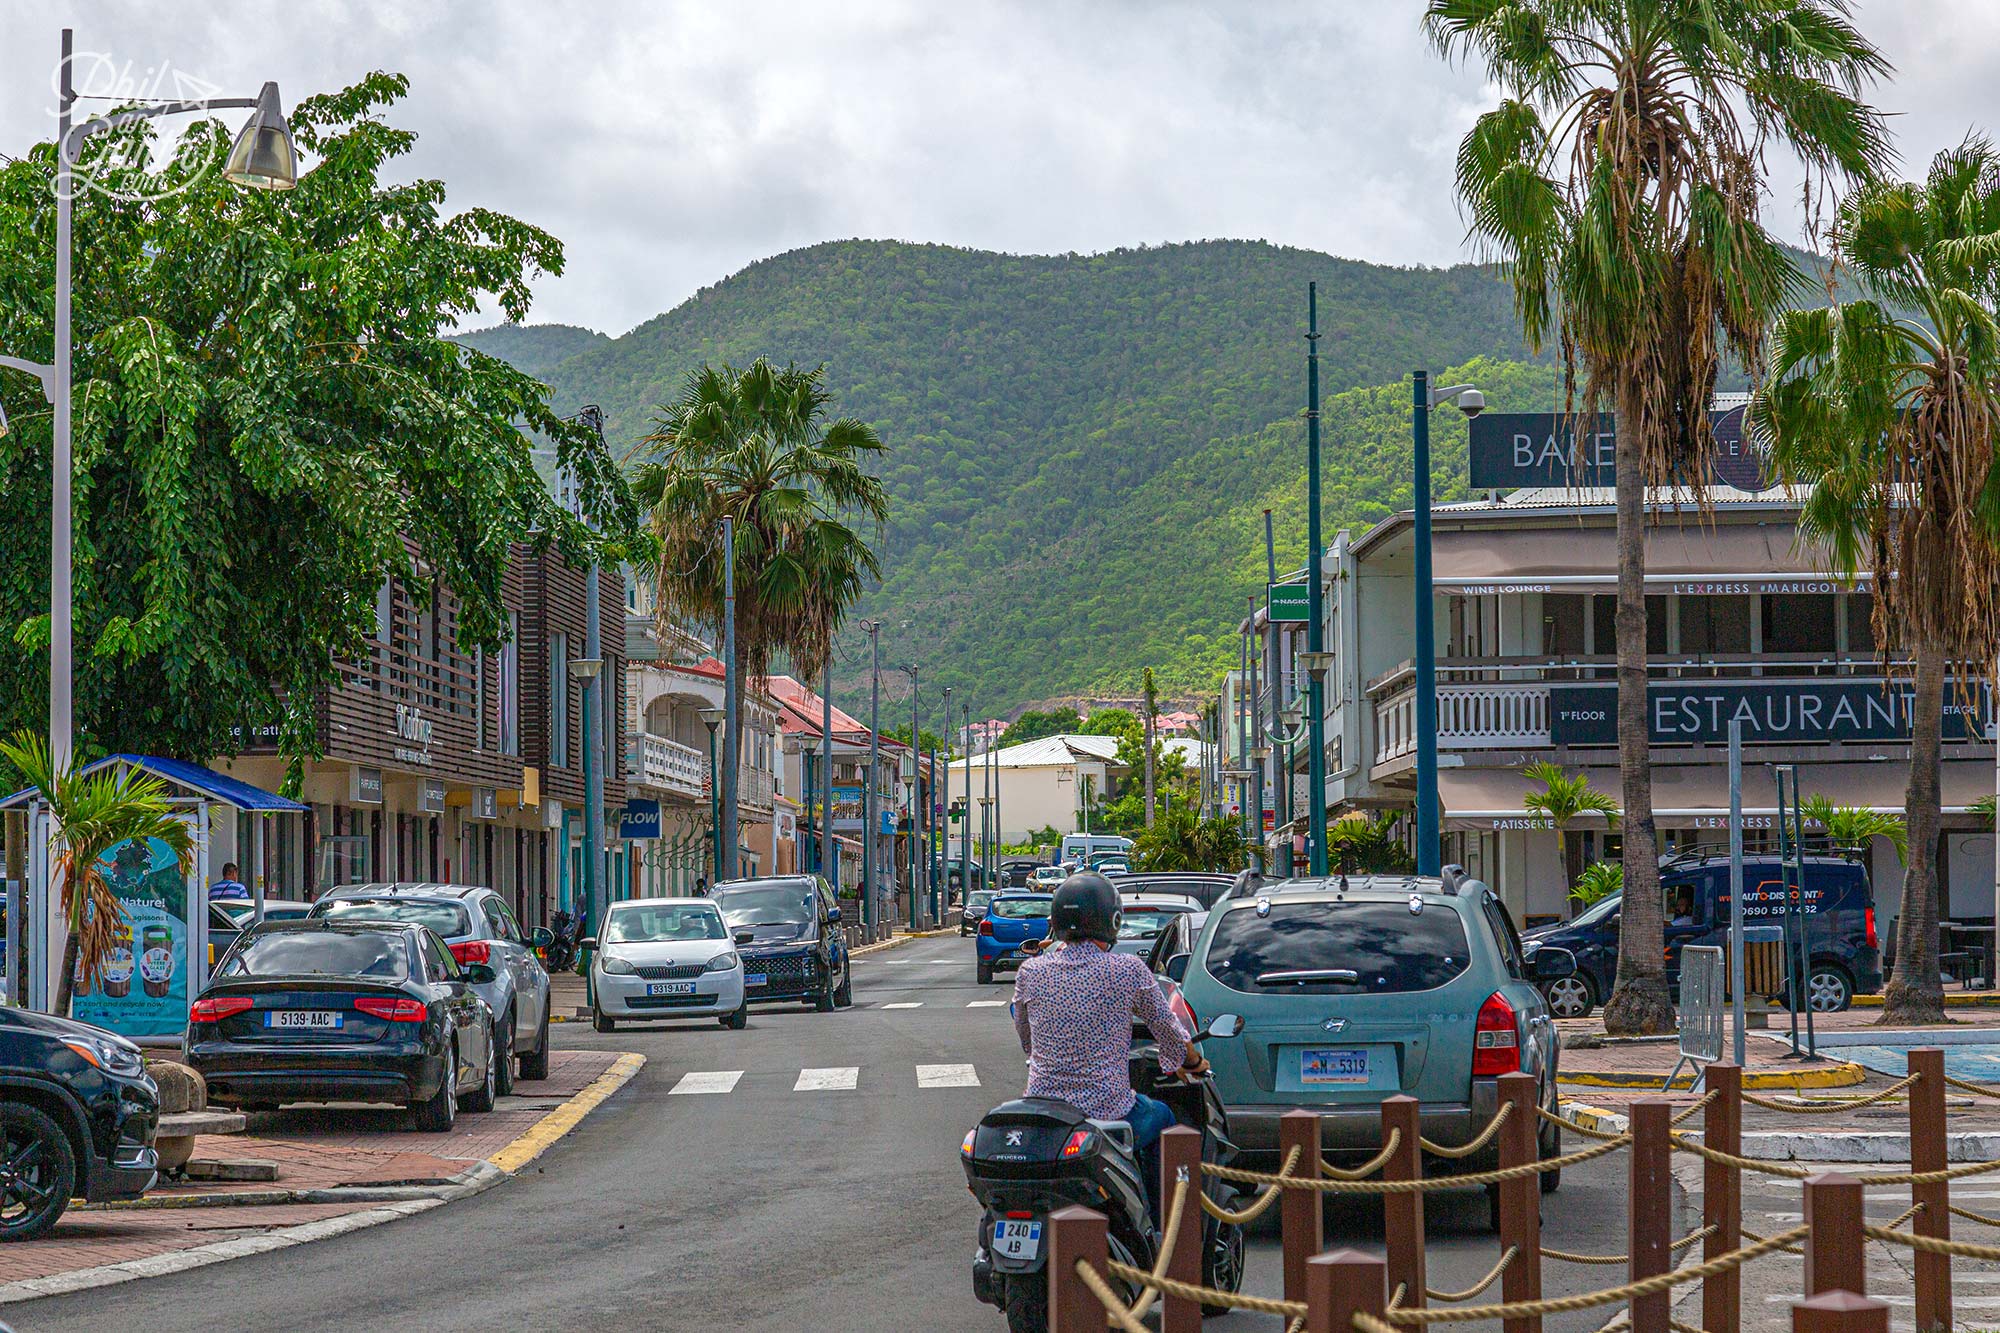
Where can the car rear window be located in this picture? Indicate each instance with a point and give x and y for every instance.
(314, 953)
(1019, 909)
(1338, 948)
(764, 902)
(450, 920)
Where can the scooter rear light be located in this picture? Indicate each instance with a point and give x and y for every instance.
(468, 952)
(1078, 1141)
(1496, 1044)
(966, 1147)
(215, 1010)
(1019, 1215)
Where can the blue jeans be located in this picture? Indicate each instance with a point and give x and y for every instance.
(1149, 1118)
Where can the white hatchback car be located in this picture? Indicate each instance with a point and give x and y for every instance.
(666, 958)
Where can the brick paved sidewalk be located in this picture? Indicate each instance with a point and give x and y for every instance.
(92, 1238)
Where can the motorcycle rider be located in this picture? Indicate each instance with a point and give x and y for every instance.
(1073, 1007)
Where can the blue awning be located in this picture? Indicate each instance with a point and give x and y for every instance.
(195, 779)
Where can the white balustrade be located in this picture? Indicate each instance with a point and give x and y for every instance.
(1499, 716)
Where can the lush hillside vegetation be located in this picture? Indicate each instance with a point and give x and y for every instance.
(534, 348)
(1081, 445)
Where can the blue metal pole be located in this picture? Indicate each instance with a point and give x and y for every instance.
(1315, 597)
(829, 854)
(732, 742)
(1428, 832)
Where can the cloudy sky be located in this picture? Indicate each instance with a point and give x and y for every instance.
(670, 144)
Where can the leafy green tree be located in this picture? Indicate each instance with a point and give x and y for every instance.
(1562, 798)
(269, 422)
(1180, 839)
(1599, 880)
(1619, 182)
(755, 445)
(1367, 845)
(1112, 722)
(94, 812)
(1857, 826)
(1033, 725)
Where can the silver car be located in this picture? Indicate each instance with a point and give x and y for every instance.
(479, 927)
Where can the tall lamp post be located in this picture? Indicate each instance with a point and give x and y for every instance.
(965, 834)
(868, 907)
(263, 156)
(1315, 598)
(712, 718)
(941, 877)
(1423, 398)
(1317, 663)
(916, 791)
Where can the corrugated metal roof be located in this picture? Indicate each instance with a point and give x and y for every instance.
(1051, 751)
(1605, 497)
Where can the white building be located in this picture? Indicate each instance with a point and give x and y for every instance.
(1042, 783)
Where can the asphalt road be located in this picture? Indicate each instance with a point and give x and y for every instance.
(773, 1205)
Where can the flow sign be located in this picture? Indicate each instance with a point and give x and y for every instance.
(1290, 602)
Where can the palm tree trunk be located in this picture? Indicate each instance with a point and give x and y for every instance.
(1149, 768)
(1639, 1003)
(66, 983)
(1914, 993)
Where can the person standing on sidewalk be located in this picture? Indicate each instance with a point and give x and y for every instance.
(228, 889)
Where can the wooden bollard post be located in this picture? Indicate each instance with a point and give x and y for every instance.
(1649, 1205)
(1834, 1259)
(1180, 1159)
(1722, 1195)
(1521, 1200)
(1927, 1153)
(1299, 1211)
(1403, 1214)
(1840, 1312)
(1076, 1233)
(1340, 1285)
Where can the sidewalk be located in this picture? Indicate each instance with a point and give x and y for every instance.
(339, 1168)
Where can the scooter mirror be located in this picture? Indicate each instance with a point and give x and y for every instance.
(1223, 1025)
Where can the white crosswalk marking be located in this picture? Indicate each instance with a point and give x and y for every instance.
(827, 1080)
(985, 1004)
(947, 1076)
(905, 1004)
(723, 1080)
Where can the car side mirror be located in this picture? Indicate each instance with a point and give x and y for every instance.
(1552, 963)
(541, 937)
(833, 915)
(1222, 1025)
(587, 942)
(745, 936)
(1177, 967)
(480, 974)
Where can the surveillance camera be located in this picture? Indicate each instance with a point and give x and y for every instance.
(1472, 402)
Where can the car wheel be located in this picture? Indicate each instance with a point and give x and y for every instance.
(503, 1057)
(1225, 1263)
(602, 1022)
(739, 1020)
(985, 974)
(844, 997)
(37, 1172)
(1572, 996)
(482, 1097)
(1829, 990)
(823, 1002)
(438, 1114)
(1027, 1304)
(1547, 1146)
(535, 1063)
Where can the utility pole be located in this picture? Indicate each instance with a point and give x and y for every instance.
(1429, 832)
(829, 852)
(1282, 772)
(1256, 741)
(916, 795)
(593, 772)
(941, 879)
(1315, 599)
(965, 834)
(869, 910)
(732, 743)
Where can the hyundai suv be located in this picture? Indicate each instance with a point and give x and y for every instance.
(1356, 989)
(795, 950)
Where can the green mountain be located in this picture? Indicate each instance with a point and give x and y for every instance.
(1081, 446)
(535, 349)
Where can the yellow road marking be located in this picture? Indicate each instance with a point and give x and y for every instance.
(566, 1117)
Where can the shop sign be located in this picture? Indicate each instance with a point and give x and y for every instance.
(640, 819)
(1511, 450)
(364, 786)
(485, 803)
(1291, 603)
(413, 736)
(430, 796)
(1791, 711)
(1505, 822)
(1722, 821)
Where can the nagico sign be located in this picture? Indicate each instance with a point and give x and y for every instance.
(1510, 450)
(1808, 711)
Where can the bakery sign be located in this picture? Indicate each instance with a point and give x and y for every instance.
(1699, 712)
(1511, 450)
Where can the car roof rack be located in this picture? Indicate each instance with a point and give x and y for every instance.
(1820, 845)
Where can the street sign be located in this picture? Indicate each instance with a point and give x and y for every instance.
(640, 819)
(1290, 603)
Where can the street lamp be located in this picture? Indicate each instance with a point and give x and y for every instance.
(1315, 594)
(1423, 398)
(712, 718)
(587, 670)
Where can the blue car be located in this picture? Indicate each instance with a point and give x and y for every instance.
(1012, 921)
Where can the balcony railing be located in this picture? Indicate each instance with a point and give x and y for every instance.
(1470, 717)
(669, 765)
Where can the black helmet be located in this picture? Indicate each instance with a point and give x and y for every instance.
(1085, 908)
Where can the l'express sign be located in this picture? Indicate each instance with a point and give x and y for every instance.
(1511, 450)
(1700, 711)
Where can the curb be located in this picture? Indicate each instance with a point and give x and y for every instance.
(1975, 1000)
(1843, 1075)
(1585, 1116)
(397, 1201)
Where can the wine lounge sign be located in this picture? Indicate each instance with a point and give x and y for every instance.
(1794, 712)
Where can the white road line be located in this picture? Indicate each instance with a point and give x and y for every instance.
(723, 1080)
(905, 1004)
(947, 1076)
(827, 1080)
(986, 1004)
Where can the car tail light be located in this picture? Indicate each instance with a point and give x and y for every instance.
(1078, 1141)
(1182, 1010)
(986, 927)
(468, 952)
(1496, 1044)
(1868, 923)
(219, 1008)
(396, 1009)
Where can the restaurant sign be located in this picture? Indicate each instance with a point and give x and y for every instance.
(1511, 450)
(1810, 711)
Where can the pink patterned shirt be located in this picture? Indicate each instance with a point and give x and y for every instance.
(1073, 1007)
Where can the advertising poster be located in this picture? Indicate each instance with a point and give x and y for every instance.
(143, 992)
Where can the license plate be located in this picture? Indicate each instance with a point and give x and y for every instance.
(1017, 1240)
(754, 978)
(1333, 1066)
(670, 988)
(309, 1019)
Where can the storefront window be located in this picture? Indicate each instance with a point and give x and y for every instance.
(1711, 626)
(1604, 627)
(1799, 623)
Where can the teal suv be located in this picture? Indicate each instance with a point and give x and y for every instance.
(1356, 989)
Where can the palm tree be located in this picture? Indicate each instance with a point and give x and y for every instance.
(1857, 826)
(1891, 418)
(1599, 880)
(1619, 182)
(1149, 707)
(94, 812)
(1562, 798)
(1367, 845)
(755, 445)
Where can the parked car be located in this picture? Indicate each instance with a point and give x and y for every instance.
(1012, 920)
(794, 952)
(1015, 873)
(1353, 992)
(1145, 915)
(479, 927)
(1047, 879)
(231, 917)
(345, 1011)
(668, 958)
(1845, 959)
(77, 1116)
(975, 910)
(1205, 887)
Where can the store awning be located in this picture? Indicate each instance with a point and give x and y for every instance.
(1697, 795)
(1693, 560)
(188, 779)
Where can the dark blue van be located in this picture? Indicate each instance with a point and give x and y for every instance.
(1839, 919)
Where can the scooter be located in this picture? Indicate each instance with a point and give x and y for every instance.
(1032, 1156)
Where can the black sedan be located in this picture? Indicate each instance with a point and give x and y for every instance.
(77, 1116)
(337, 1011)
